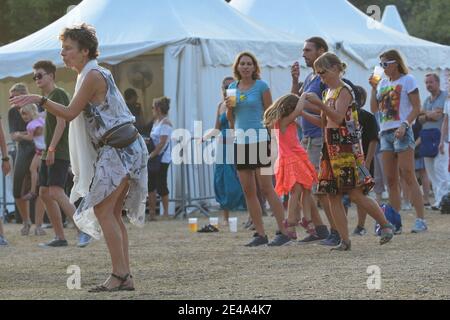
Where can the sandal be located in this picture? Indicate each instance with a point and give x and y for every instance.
(307, 225)
(387, 236)
(25, 231)
(121, 287)
(208, 228)
(290, 234)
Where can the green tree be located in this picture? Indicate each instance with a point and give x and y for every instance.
(428, 20)
(20, 18)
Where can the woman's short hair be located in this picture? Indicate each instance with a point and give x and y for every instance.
(163, 104)
(328, 60)
(256, 75)
(86, 37)
(20, 88)
(395, 55)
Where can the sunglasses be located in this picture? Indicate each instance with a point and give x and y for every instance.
(385, 64)
(322, 72)
(39, 76)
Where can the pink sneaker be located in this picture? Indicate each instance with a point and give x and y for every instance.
(287, 226)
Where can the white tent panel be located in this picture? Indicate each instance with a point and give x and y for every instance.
(392, 19)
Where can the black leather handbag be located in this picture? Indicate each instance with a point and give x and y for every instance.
(121, 136)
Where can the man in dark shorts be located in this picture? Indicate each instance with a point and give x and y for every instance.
(55, 158)
(24, 156)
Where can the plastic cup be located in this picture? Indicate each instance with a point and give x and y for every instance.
(214, 222)
(232, 93)
(193, 224)
(377, 74)
(233, 222)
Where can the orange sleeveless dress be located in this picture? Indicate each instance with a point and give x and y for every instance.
(293, 165)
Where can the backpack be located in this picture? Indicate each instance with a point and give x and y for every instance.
(445, 204)
(393, 217)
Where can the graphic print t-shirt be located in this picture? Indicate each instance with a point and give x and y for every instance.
(394, 101)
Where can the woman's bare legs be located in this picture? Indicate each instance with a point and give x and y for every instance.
(339, 217)
(113, 234)
(391, 172)
(125, 244)
(268, 191)
(248, 182)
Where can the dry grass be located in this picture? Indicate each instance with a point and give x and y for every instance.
(170, 263)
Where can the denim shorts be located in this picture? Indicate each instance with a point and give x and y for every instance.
(389, 142)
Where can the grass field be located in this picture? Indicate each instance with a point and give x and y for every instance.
(170, 263)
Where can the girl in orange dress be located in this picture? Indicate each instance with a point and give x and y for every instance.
(294, 172)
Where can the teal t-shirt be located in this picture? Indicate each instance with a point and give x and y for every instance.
(249, 112)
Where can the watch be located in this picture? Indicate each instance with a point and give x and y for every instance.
(44, 99)
(405, 124)
(5, 159)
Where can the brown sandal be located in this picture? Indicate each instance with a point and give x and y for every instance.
(121, 287)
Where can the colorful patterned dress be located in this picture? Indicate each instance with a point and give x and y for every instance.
(342, 166)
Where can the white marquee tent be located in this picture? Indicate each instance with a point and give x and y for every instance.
(198, 39)
(392, 19)
(354, 36)
(189, 47)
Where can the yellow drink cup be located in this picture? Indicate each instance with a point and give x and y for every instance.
(193, 224)
(231, 94)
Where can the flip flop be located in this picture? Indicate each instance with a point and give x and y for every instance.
(208, 228)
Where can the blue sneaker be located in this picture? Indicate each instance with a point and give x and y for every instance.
(3, 241)
(83, 240)
(333, 240)
(419, 226)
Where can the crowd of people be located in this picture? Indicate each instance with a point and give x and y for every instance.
(331, 151)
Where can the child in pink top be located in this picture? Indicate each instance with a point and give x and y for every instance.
(294, 172)
(35, 133)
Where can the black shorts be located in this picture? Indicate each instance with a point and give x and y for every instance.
(158, 181)
(55, 175)
(21, 178)
(252, 156)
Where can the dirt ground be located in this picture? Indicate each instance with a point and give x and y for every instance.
(170, 263)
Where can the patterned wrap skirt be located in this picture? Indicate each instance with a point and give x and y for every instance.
(342, 165)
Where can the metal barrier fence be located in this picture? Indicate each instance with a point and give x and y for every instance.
(191, 181)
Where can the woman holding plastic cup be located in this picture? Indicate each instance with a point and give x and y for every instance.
(397, 99)
(252, 144)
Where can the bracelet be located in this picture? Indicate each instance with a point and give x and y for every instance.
(44, 99)
(51, 149)
(5, 159)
